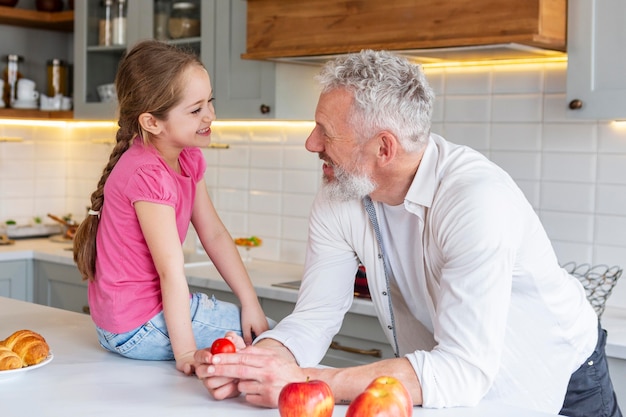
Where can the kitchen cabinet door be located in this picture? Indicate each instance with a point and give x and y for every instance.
(596, 86)
(16, 280)
(61, 286)
(244, 89)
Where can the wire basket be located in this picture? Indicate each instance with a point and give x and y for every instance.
(598, 281)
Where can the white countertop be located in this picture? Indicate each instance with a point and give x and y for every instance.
(266, 273)
(84, 379)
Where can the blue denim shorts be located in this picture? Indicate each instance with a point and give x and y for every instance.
(210, 319)
(590, 390)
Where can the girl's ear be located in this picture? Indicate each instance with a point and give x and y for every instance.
(150, 123)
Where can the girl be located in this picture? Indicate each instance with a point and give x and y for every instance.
(130, 245)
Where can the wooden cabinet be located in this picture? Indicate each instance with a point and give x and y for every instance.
(279, 29)
(596, 86)
(16, 279)
(61, 286)
(242, 88)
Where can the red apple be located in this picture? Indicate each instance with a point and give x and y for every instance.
(394, 385)
(384, 397)
(306, 399)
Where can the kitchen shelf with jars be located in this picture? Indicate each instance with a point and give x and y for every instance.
(104, 30)
(215, 30)
(61, 21)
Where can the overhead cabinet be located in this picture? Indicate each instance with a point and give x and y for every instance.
(596, 64)
(243, 89)
(432, 29)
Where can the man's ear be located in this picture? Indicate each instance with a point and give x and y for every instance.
(149, 123)
(387, 147)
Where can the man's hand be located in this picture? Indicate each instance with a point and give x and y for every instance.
(252, 371)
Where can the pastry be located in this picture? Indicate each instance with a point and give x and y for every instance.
(30, 346)
(9, 359)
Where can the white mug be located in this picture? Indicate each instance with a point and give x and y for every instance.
(26, 90)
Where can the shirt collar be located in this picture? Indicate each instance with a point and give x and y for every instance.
(422, 190)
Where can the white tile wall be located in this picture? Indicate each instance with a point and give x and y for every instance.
(573, 172)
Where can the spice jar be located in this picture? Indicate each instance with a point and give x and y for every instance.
(10, 76)
(57, 78)
(184, 21)
(119, 23)
(105, 24)
(161, 15)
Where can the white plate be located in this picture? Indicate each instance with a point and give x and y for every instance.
(12, 373)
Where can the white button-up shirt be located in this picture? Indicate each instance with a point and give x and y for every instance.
(481, 308)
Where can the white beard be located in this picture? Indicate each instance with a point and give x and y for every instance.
(347, 186)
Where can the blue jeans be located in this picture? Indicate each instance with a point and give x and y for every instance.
(210, 319)
(590, 390)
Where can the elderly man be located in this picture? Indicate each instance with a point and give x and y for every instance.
(463, 277)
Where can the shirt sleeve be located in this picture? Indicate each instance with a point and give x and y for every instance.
(326, 292)
(152, 183)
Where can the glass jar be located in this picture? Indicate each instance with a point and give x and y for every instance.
(161, 15)
(105, 24)
(184, 21)
(57, 78)
(119, 23)
(10, 76)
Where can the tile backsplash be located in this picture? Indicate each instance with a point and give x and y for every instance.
(573, 172)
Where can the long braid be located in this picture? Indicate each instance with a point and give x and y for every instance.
(85, 238)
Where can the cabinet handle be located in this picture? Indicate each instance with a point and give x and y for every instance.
(370, 352)
(86, 310)
(576, 104)
(265, 109)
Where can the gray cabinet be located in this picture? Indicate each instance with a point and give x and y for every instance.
(16, 279)
(242, 88)
(61, 286)
(359, 341)
(596, 85)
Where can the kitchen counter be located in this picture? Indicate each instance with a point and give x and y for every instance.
(266, 273)
(84, 379)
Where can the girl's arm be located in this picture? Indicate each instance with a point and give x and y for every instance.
(220, 247)
(158, 224)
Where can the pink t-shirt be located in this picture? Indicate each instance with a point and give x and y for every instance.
(126, 292)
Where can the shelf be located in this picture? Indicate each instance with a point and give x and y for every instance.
(60, 21)
(35, 114)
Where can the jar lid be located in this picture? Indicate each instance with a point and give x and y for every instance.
(55, 62)
(14, 58)
(183, 5)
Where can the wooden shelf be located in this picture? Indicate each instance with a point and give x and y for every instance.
(60, 21)
(35, 114)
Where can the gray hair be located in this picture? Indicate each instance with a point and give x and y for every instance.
(390, 93)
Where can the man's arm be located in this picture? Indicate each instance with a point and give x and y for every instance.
(262, 370)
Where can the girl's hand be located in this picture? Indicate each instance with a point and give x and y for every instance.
(186, 363)
(253, 322)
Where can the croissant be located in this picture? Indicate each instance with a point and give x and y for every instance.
(9, 359)
(30, 346)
